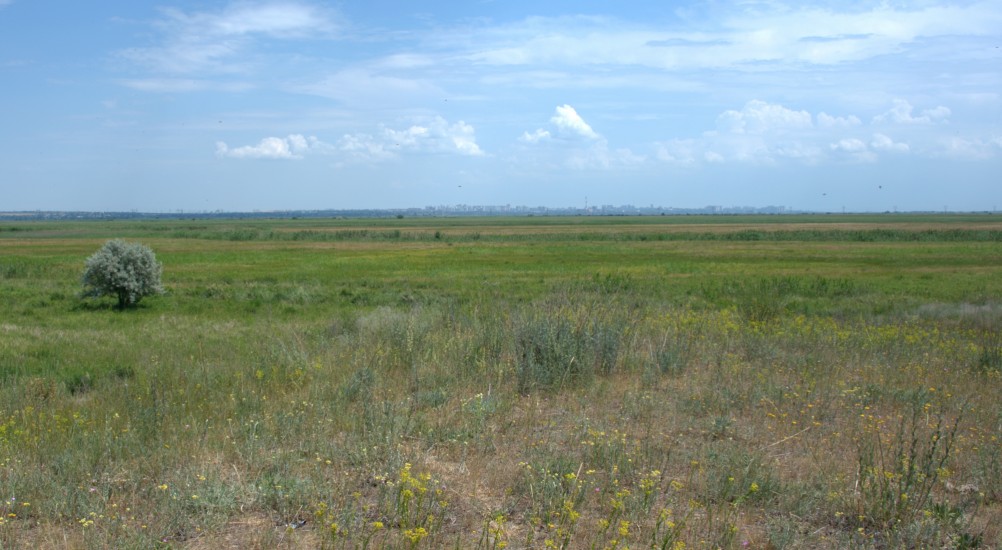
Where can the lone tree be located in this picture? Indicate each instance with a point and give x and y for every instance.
(129, 271)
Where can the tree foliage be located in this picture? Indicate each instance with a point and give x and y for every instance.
(128, 271)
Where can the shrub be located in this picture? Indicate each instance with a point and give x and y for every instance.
(128, 271)
(553, 350)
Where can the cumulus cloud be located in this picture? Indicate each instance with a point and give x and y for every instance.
(797, 149)
(568, 121)
(828, 121)
(882, 142)
(768, 133)
(901, 113)
(291, 147)
(363, 148)
(849, 145)
(758, 117)
(436, 135)
(577, 145)
(573, 131)
(535, 137)
(759, 132)
(853, 149)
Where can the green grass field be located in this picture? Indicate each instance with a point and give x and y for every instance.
(607, 382)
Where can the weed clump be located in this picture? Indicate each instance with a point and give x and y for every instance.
(556, 350)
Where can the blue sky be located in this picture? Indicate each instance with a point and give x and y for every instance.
(216, 105)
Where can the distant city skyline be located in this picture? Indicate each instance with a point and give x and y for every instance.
(466, 210)
(280, 105)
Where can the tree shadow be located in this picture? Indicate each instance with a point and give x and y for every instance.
(102, 304)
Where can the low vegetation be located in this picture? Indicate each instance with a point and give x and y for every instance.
(550, 383)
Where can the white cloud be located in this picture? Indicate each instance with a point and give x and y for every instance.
(568, 121)
(964, 148)
(567, 124)
(297, 142)
(849, 145)
(882, 142)
(677, 151)
(768, 133)
(283, 19)
(363, 148)
(797, 149)
(741, 36)
(535, 137)
(760, 132)
(213, 42)
(758, 117)
(290, 147)
(936, 113)
(599, 156)
(828, 121)
(464, 140)
(853, 149)
(738, 147)
(580, 147)
(901, 113)
(177, 85)
(435, 136)
(407, 138)
(406, 61)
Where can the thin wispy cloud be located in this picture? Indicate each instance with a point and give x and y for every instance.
(181, 85)
(794, 35)
(365, 86)
(221, 41)
(971, 149)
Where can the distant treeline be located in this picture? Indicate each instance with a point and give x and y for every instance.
(798, 235)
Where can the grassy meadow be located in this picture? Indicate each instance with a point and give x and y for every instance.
(541, 382)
